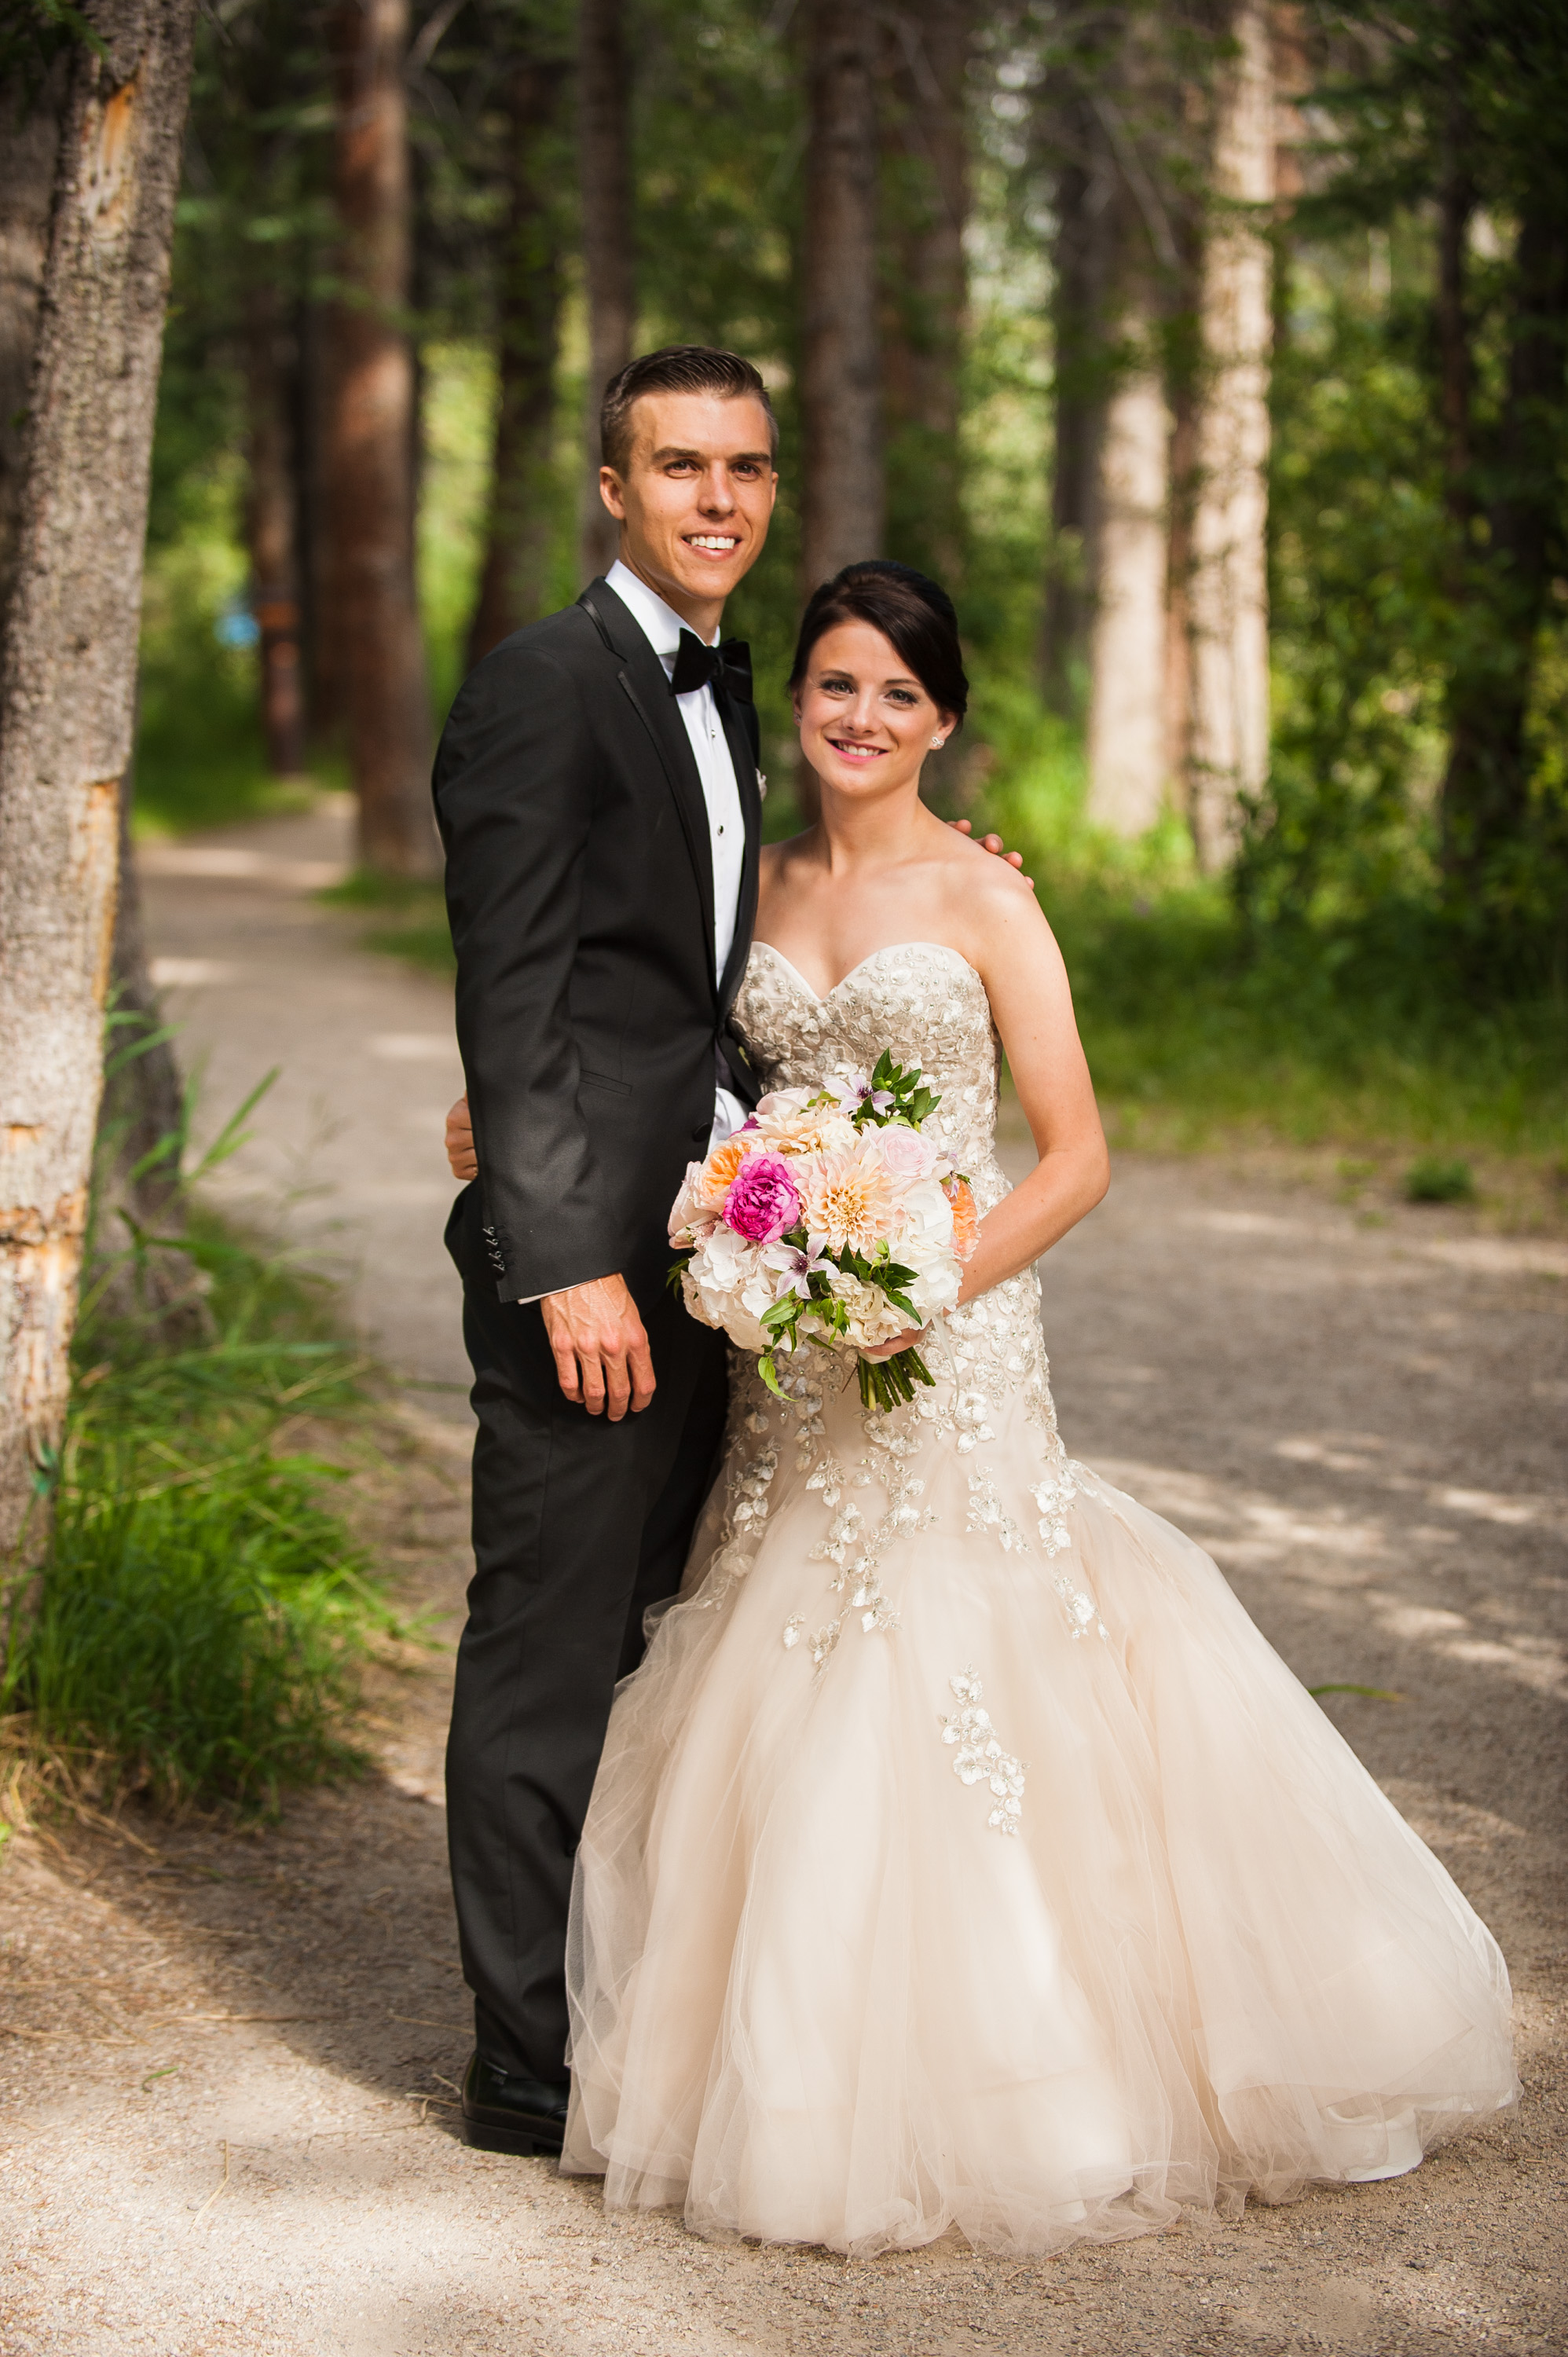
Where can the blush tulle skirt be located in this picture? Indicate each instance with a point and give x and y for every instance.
(1016, 1887)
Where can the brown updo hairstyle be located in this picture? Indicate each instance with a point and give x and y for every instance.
(914, 614)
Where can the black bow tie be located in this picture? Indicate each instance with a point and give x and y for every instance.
(727, 665)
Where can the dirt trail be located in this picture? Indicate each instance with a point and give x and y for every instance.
(227, 2064)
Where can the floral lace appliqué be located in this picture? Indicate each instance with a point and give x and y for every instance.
(978, 1755)
(985, 1514)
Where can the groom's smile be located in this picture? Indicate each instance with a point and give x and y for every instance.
(694, 497)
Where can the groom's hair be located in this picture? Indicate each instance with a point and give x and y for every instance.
(678, 368)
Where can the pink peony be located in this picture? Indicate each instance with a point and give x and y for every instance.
(762, 1202)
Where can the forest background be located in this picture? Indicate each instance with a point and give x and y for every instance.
(974, 251)
(1214, 355)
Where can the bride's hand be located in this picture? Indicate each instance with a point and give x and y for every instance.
(992, 843)
(460, 1154)
(910, 1339)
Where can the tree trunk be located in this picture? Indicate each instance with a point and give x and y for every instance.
(842, 493)
(369, 444)
(923, 339)
(842, 489)
(270, 368)
(604, 159)
(514, 584)
(1486, 788)
(29, 139)
(1227, 589)
(66, 690)
(1127, 646)
(136, 1196)
(1079, 369)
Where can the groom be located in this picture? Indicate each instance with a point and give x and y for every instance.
(597, 792)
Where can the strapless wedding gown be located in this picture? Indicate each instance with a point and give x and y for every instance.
(961, 1855)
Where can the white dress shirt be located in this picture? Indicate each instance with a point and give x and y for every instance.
(661, 627)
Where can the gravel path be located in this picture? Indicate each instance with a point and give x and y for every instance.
(227, 2061)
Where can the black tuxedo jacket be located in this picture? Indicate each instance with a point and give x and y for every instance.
(580, 887)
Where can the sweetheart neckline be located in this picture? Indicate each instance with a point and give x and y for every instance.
(818, 999)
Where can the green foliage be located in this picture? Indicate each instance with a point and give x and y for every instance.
(1433, 1181)
(198, 1628)
(1419, 492)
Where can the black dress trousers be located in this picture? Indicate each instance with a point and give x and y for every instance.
(579, 1525)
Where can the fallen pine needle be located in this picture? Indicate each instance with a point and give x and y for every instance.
(217, 2189)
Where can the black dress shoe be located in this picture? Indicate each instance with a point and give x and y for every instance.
(504, 2112)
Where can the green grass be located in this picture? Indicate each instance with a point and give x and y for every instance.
(405, 920)
(1433, 1181)
(198, 1627)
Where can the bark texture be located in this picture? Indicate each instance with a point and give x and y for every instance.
(137, 1194)
(369, 444)
(1128, 643)
(514, 582)
(1486, 785)
(271, 509)
(604, 157)
(1089, 208)
(842, 507)
(29, 138)
(1227, 578)
(66, 690)
(928, 189)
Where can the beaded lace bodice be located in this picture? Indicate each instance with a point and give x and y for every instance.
(923, 1001)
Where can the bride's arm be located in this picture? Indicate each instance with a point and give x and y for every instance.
(1021, 966)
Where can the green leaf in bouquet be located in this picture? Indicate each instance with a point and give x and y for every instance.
(782, 1313)
(769, 1373)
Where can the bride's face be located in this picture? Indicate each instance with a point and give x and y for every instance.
(866, 724)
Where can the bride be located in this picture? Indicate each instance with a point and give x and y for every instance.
(961, 1855)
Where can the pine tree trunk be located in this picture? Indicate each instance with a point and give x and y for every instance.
(1226, 586)
(514, 583)
(1127, 645)
(271, 509)
(842, 493)
(842, 485)
(926, 192)
(1486, 803)
(1082, 260)
(604, 157)
(29, 140)
(68, 685)
(369, 445)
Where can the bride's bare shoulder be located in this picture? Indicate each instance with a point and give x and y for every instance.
(978, 885)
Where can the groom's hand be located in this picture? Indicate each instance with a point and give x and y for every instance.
(600, 1347)
(992, 843)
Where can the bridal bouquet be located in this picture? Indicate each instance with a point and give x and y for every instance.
(833, 1217)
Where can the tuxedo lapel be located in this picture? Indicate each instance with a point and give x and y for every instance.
(643, 682)
(743, 749)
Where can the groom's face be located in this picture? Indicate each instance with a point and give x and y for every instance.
(696, 495)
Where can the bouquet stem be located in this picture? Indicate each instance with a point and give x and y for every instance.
(887, 1383)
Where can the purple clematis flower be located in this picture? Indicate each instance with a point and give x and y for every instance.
(852, 1090)
(799, 1266)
